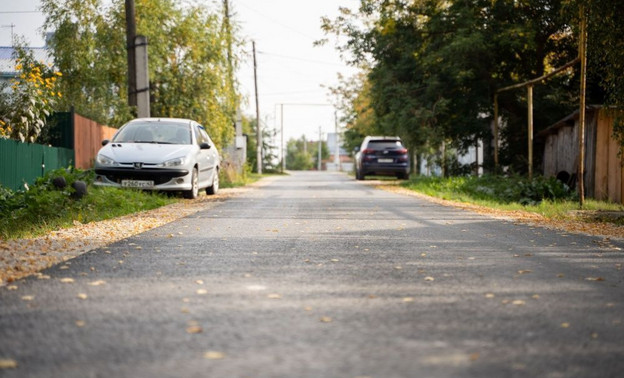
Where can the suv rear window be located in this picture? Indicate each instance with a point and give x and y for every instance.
(384, 144)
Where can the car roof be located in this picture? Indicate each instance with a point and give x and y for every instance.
(164, 119)
(388, 138)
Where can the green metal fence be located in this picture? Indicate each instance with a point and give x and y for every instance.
(24, 162)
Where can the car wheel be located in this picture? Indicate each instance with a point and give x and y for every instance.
(194, 192)
(214, 188)
(359, 175)
(402, 176)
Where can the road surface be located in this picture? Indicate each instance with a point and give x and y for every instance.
(318, 275)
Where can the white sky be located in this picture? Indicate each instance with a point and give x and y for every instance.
(290, 69)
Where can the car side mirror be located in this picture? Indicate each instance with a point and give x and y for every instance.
(105, 142)
(204, 146)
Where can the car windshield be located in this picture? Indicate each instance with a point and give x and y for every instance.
(384, 144)
(154, 132)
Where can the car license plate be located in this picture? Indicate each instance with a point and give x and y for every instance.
(137, 183)
(385, 160)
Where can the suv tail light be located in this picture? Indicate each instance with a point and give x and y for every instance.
(368, 151)
(402, 151)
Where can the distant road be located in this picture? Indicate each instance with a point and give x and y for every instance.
(318, 275)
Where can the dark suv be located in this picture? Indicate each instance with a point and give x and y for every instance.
(380, 155)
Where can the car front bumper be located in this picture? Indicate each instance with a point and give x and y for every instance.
(164, 179)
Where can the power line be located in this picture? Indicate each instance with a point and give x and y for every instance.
(277, 22)
(300, 59)
(16, 12)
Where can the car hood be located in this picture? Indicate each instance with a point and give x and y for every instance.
(149, 153)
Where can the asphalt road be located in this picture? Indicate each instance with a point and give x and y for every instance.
(317, 275)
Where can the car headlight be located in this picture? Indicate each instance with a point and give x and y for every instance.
(105, 160)
(173, 162)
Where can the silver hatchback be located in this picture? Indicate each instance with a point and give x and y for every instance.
(168, 154)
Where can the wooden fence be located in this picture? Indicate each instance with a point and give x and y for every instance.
(88, 136)
(603, 161)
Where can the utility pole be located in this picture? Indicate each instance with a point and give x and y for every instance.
(530, 128)
(319, 150)
(337, 157)
(258, 128)
(130, 36)
(581, 130)
(283, 152)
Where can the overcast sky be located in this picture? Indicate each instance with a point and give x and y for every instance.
(290, 69)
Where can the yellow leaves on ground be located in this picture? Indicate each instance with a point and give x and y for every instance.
(194, 329)
(429, 278)
(97, 283)
(8, 363)
(274, 296)
(326, 319)
(214, 355)
(408, 300)
(67, 280)
(82, 296)
(202, 292)
(565, 325)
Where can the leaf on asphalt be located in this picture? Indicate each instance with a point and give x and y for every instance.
(474, 356)
(80, 323)
(398, 267)
(274, 296)
(199, 282)
(28, 297)
(535, 296)
(308, 308)
(97, 283)
(194, 329)
(326, 319)
(12, 287)
(185, 310)
(64, 267)
(518, 302)
(8, 363)
(408, 299)
(423, 254)
(565, 325)
(202, 291)
(43, 277)
(214, 355)
(594, 279)
(82, 296)
(67, 280)
(490, 295)
(560, 275)
(335, 260)
(429, 278)
(138, 247)
(524, 271)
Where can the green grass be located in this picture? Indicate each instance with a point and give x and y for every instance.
(543, 196)
(44, 208)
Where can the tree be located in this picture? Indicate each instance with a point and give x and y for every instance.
(298, 155)
(188, 61)
(432, 67)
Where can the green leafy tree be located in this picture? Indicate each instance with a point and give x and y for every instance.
(298, 155)
(188, 61)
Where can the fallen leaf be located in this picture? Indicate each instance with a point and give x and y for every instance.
(560, 275)
(565, 325)
(43, 277)
(398, 267)
(326, 319)
(335, 260)
(97, 283)
(535, 296)
(202, 291)
(199, 282)
(524, 271)
(490, 295)
(594, 279)
(408, 299)
(28, 297)
(214, 355)
(194, 329)
(12, 287)
(518, 302)
(82, 296)
(67, 280)
(8, 363)
(274, 296)
(474, 356)
(429, 278)
(80, 323)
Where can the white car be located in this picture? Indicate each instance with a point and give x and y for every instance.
(167, 154)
